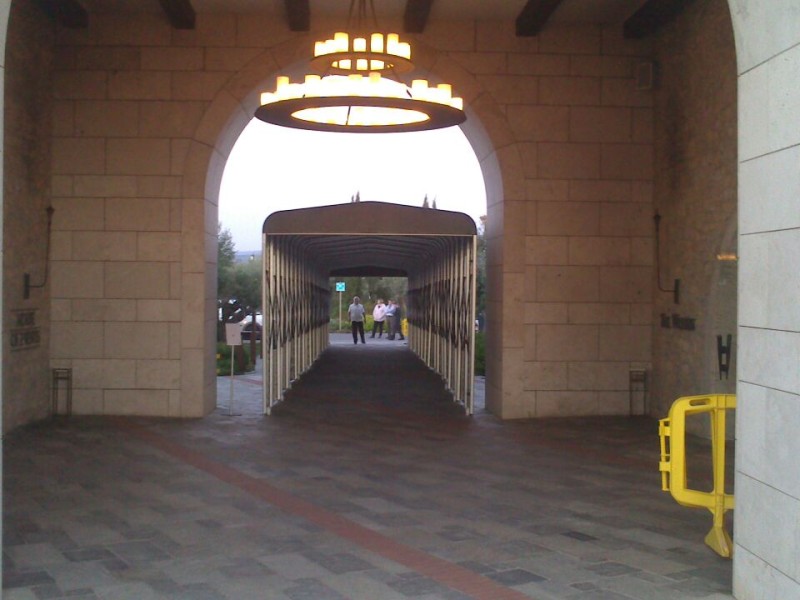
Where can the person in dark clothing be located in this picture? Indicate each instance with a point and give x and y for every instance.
(356, 313)
(394, 318)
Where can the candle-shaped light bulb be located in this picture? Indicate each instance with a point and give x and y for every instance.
(281, 86)
(404, 50)
(340, 39)
(392, 42)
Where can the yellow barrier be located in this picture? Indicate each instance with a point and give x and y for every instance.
(672, 431)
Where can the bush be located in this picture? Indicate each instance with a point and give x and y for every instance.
(480, 353)
(224, 359)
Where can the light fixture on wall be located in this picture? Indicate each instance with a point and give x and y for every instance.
(27, 286)
(357, 87)
(676, 287)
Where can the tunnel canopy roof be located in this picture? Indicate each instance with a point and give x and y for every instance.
(370, 238)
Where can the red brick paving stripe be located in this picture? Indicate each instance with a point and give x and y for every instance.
(442, 571)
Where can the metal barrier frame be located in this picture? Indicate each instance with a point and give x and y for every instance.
(441, 299)
(296, 309)
(437, 250)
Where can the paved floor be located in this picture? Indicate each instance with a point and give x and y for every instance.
(367, 483)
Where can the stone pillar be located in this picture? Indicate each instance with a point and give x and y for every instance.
(767, 516)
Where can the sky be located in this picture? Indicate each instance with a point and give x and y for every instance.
(274, 168)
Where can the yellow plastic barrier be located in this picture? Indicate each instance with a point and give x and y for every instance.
(673, 462)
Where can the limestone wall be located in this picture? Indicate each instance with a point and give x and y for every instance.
(572, 236)
(134, 279)
(767, 515)
(26, 189)
(696, 196)
(147, 115)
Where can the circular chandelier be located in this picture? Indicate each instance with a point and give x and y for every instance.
(357, 88)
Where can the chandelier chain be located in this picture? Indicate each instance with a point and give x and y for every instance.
(364, 9)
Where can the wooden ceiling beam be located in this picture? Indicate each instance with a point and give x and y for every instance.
(299, 15)
(180, 13)
(652, 16)
(416, 15)
(67, 13)
(534, 15)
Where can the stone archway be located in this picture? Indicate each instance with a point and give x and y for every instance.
(220, 127)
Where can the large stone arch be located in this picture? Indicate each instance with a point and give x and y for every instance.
(227, 116)
(768, 488)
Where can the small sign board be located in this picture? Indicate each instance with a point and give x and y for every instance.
(233, 334)
(340, 286)
(25, 332)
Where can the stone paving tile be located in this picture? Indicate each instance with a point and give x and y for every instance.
(311, 589)
(341, 562)
(294, 566)
(515, 577)
(562, 508)
(412, 585)
(363, 586)
(254, 589)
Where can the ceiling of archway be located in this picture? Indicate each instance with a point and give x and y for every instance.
(604, 11)
(640, 17)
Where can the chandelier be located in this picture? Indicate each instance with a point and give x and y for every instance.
(357, 88)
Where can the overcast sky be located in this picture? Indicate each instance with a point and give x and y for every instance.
(275, 168)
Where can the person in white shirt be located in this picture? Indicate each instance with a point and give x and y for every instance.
(391, 309)
(356, 313)
(378, 316)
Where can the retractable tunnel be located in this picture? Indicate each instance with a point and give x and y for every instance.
(435, 249)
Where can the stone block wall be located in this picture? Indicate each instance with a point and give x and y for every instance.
(146, 116)
(571, 238)
(696, 197)
(134, 263)
(26, 190)
(767, 535)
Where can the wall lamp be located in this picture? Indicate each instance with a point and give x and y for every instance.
(676, 287)
(27, 286)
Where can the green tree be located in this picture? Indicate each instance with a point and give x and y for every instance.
(238, 288)
(247, 290)
(247, 284)
(480, 300)
(226, 257)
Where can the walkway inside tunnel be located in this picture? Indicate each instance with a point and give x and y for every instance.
(377, 380)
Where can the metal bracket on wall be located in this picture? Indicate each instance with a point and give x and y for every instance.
(26, 278)
(724, 355)
(676, 287)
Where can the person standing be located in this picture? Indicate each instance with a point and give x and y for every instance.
(378, 317)
(356, 313)
(398, 321)
(389, 314)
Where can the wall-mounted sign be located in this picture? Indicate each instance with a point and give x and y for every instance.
(677, 322)
(24, 333)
